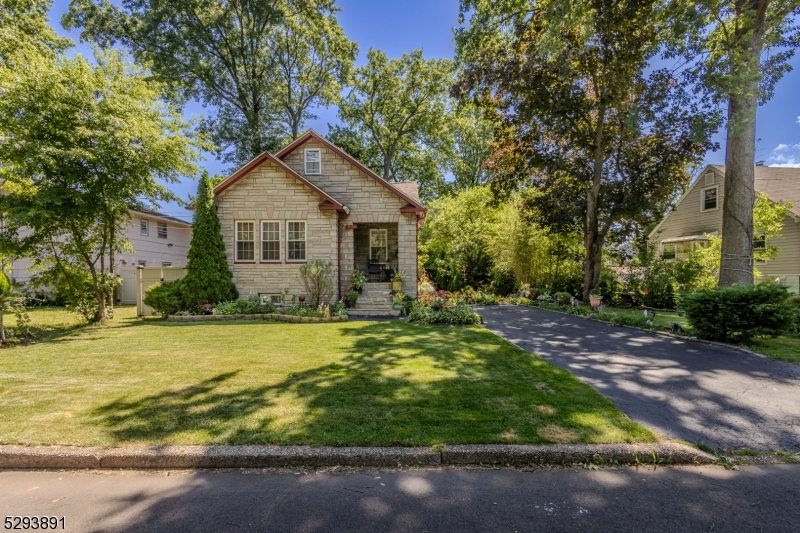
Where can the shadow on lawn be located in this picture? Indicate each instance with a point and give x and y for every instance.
(399, 384)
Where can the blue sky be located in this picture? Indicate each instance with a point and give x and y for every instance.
(398, 27)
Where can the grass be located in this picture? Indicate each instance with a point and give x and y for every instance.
(786, 348)
(148, 381)
(663, 319)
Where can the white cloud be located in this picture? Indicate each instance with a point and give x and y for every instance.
(785, 155)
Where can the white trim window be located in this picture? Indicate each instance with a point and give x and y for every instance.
(760, 249)
(709, 199)
(166, 263)
(144, 230)
(270, 240)
(245, 241)
(141, 263)
(313, 161)
(295, 240)
(378, 246)
(669, 251)
(162, 230)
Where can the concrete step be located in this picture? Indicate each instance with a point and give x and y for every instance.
(374, 300)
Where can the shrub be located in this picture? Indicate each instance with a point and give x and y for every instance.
(563, 298)
(317, 278)
(459, 314)
(165, 298)
(580, 310)
(501, 279)
(253, 305)
(358, 280)
(740, 312)
(544, 297)
(208, 278)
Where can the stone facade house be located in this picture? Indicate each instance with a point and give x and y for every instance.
(698, 213)
(313, 201)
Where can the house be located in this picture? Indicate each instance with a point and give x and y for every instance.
(699, 213)
(156, 240)
(313, 201)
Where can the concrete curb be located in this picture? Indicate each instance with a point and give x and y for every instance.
(175, 457)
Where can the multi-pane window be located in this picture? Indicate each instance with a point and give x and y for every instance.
(296, 241)
(143, 229)
(378, 247)
(245, 241)
(142, 263)
(668, 252)
(166, 263)
(313, 161)
(270, 241)
(709, 198)
(162, 230)
(760, 242)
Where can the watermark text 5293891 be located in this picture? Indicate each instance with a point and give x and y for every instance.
(35, 522)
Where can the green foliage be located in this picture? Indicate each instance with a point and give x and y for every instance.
(252, 305)
(318, 279)
(208, 278)
(262, 65)
(82, 144)
(358, 280)
(399, 108)
(739, 313)
(165, 298)
(501, 280)
(352, 295)
(563, 298)
(25, 33)
(605, 142)
(458, 314)
(5, 284)
(580, 310)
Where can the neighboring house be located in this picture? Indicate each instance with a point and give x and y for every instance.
(157, 240)
(699, 212)
(312, 201)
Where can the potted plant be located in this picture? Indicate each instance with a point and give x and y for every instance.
(595, 300)
(350, 298)
(397, 281)
(207, 307)
(399, 297)
(358, 280)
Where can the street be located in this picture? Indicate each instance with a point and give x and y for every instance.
(622, 499)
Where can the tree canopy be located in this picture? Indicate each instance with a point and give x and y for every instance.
(400, 108)
(232, 56)
(81, 144)
(605, 144)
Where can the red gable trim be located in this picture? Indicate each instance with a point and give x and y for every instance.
(242, 172)
(311, 134)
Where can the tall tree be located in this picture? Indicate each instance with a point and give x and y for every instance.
(472, 135)
(314, 61)
(208, 278)
(24, 30)
(81, 144)
(401, 106)
(221, 52)
(739, 49)
(606, 146)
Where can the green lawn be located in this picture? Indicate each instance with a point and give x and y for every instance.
(663, 320)
(147, 381)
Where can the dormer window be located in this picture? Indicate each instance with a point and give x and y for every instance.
(313, 161)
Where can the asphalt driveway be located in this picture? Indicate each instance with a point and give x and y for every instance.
(715, 396)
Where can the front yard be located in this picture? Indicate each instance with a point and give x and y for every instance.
(147, 381)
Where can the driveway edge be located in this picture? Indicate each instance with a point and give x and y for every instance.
(686, 338)
(177, 457)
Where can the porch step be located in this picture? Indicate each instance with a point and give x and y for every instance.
(369, 311)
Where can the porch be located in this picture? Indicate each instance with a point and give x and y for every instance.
(375, 249)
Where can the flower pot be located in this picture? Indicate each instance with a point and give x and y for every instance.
(350, 304)
(595, 301)
(397, 286)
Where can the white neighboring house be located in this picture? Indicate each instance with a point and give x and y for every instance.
(157, 240)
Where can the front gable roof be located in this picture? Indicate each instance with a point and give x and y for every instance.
(328, 202)
(405, 191)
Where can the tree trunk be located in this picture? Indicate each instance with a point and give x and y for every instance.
(387, 167)
(736, 265)
(592, 240)
(2, 328)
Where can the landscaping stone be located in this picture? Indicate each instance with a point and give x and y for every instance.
(266, 316)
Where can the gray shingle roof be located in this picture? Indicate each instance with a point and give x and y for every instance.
(779, 183)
